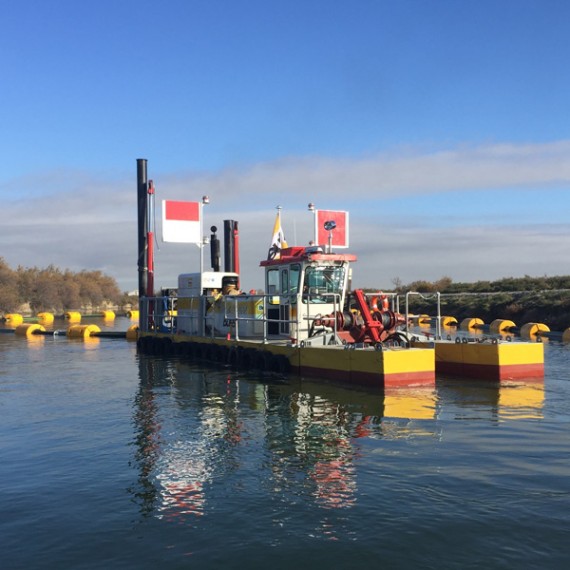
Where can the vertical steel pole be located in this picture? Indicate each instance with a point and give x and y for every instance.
(142, 203)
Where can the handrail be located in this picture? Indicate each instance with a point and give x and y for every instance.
(154, 310)
(437, 294)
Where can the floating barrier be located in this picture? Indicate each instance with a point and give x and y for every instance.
(132, 333)
(107, 315)
(533, 329)
(46, 318)
(471, 324)
(82, 331)
(75, 331)
(133, 315)
(14, 319)
(501, 325)
(73, 316)
(29, 329)
(426, 320)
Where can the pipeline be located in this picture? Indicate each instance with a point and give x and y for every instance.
(74, 331)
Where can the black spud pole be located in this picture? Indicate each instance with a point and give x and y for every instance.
(142, 203)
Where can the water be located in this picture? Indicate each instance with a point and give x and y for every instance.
(114, 460)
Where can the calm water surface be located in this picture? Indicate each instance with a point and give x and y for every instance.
(115, 460)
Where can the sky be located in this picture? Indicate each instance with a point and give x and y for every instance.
(441, 126)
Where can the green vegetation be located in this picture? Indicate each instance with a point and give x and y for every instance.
(522, 300)
(51, 289)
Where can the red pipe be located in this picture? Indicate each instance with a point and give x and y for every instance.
(150, 242)
(373, 327)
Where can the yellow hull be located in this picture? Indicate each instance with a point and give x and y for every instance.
(392, 367)
(489, 361)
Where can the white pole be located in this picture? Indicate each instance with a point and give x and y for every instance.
(205, 201)
(311, 208)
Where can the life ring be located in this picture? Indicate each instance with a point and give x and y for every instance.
(383, 303)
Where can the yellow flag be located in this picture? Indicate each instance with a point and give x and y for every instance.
(278, 242)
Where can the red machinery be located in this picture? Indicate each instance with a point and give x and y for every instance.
(365, 323)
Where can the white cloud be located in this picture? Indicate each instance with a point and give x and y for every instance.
(80, 221)
(408, 172)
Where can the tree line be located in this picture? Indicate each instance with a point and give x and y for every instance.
(520, 299)
(54, 289)
(506, 284)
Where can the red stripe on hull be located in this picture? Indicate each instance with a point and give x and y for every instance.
(491, 371)
(377, 380)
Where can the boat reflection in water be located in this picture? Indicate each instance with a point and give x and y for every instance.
(197, 427)
(519, 400)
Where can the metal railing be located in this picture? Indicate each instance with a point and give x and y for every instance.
(159, 314)
(427, 297)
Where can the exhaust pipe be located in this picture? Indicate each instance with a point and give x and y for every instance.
(231, 247)
(214, 249)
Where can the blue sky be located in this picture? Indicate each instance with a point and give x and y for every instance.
(442, 126)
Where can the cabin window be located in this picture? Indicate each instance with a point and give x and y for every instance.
(273, 282)
(294, 277)
(322, 283)
(284, 282)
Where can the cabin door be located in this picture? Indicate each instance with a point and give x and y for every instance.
(284, 303)
(290, 278)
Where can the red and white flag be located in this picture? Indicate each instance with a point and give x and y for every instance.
(339, 233)
(181, 222)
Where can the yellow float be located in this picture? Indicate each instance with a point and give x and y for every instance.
(73, 316)
(133, 332)
(501, 325)
(533, 329)
(82, 331)
(28, 329)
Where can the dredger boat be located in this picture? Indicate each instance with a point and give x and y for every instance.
(307, 320)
